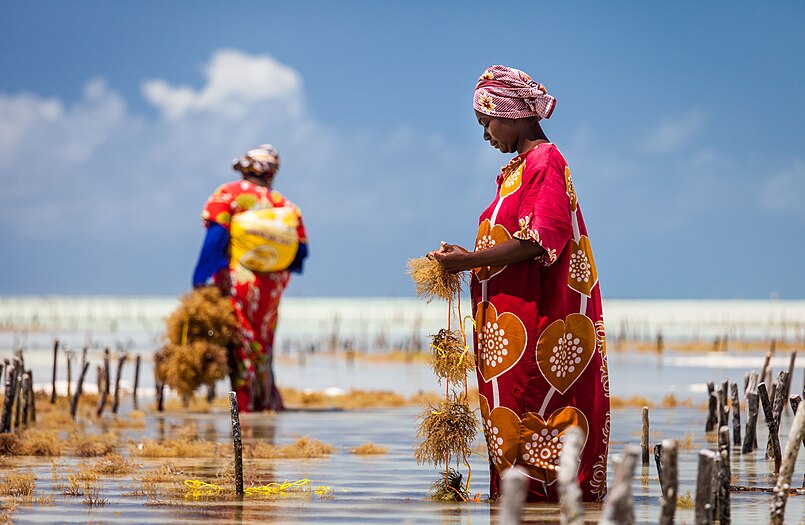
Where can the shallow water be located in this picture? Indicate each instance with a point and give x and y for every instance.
(388, 488)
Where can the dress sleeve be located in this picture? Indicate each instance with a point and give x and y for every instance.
(219, 206)
(544, 212)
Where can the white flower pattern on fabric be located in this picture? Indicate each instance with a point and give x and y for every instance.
(567, 355)
(580, 268)
(543, 449)
(485, 242)
(494, 442)
(494, 342)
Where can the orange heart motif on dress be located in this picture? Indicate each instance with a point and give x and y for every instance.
(570, 190)
(541, 441)
(512, 179)
(502, 433)
(489, 236)
(582, 276)
(501, 340)
(564, 350)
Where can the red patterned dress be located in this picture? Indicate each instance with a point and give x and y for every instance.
(256, 297)
(540, 343)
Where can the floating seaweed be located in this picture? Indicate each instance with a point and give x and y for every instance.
(447, 430)
(432, 280)
(368, 449)
(451, 359)
(449, 488)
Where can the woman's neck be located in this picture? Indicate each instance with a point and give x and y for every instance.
(258, 180)
(532, 138)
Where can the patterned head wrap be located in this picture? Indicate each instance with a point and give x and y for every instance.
(510, 93)
(262, 161)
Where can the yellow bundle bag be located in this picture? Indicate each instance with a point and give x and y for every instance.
(265, 240)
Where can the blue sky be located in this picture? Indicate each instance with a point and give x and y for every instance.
(682, 123)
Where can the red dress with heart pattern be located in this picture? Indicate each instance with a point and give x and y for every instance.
(539, 343)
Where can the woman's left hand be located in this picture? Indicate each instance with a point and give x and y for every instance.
(452, 257)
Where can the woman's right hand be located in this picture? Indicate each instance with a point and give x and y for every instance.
(452, 257)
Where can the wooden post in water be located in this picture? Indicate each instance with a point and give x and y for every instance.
(670, 481)
(32, 408)
(79, 389)
(658, 463)
(53, 380)
(777, 406)
(704, 487)
(783, 484)
(725, 477)
(18, 369)
(736, 415)
(772, 424)
(136, 382)
(5, 416)
(619, 506)
(767, 362)
(712, 408)
(644, 437)
(513, 495)
(26, 397)
(104, 393)
(236, 442)
(68, 356)
(723, 411)
(158, 385)
(790, 374)
(120, 360)
(751, 423)
(795, 400)
(568, 478)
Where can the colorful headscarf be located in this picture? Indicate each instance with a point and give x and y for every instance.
(510, 93)
(262, 161)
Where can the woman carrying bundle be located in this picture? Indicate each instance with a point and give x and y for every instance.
(255, 239)
(540, 344)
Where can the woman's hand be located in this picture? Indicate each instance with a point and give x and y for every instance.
(452, 257)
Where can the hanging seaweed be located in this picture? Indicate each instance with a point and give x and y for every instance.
(431, 280)
(197, 338)
(451, 359)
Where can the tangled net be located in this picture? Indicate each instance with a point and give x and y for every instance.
(198, 335)
(432, 280)
(448, 430)
(451, 359)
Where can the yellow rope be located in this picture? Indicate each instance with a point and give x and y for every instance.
(184, 331)
(201, 489)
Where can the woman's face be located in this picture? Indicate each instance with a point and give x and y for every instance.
(502, 133)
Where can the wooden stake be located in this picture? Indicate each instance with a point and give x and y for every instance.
(120, 360)
(25, 394)
(704, 487)
(790, 374)
(53, 380)
(79, 388)
(104, 393)
(772, 424)
(795, 400)
(725, 476)
(568, 477)
(751, 423)
(236, 442)
(723, 407)
(159, 387)
(17, 391)
(644, 437)
(68, 356)
(767, 362)
(619, 507)
(736, 415)
(513, 495)
(795, 436)
(32, 402)
(658, 463)
(5, 417)
(712, 408)
(136, 381)
(670, 481)
(778, 405)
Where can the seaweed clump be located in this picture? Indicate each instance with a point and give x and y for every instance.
(446, 431)
(451, 359)
(197, 338)
(432, 280)
(449, 488)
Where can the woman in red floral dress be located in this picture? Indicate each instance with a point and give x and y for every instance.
(540, 344)
(255, 294)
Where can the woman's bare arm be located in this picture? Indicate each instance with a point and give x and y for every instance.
(456, 259)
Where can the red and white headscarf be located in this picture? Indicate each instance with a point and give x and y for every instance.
(510, 93)
(262, 161)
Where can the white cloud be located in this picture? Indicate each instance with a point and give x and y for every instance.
(235, 81)
(674, 132)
